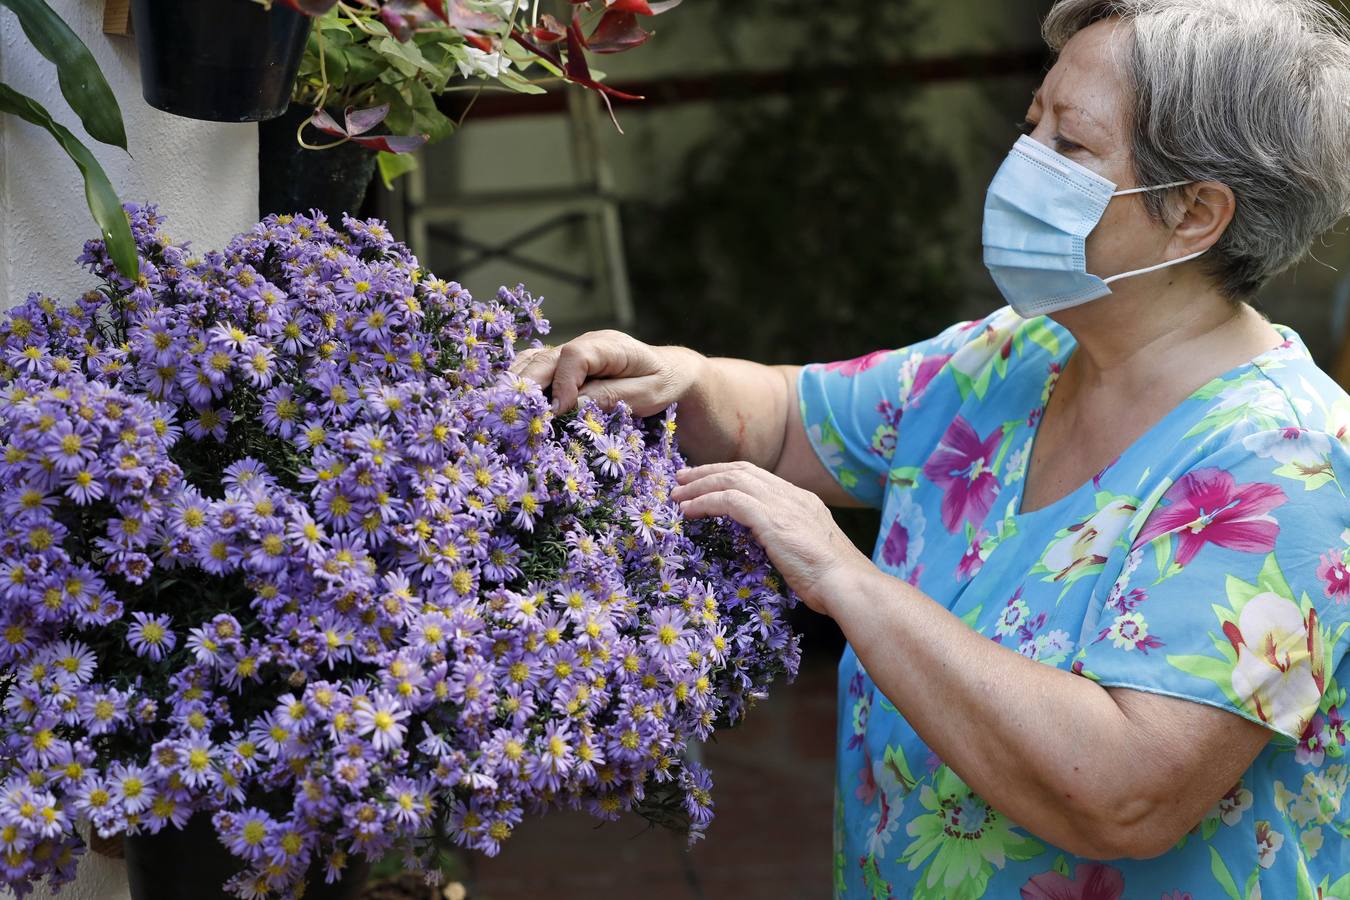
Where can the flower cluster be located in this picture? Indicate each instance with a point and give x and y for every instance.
(287, 545)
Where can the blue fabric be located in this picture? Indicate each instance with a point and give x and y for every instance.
(1208, 562)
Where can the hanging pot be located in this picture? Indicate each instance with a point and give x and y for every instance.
(220, 60)
(193, 863)
(292, 179)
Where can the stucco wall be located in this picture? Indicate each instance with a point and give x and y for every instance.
(203, 175)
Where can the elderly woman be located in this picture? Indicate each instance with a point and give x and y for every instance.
(1098, 649)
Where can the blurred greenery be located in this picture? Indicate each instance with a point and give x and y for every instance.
(812, 226)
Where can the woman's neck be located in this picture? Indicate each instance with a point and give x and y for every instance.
(1163, 329)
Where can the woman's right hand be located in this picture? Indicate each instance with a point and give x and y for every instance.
(610, 366)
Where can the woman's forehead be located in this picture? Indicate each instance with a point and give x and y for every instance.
(1088, 81)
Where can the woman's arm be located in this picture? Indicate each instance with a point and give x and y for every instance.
(729, 409)
(1101, 772)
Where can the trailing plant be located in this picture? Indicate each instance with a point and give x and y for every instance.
(87, 91)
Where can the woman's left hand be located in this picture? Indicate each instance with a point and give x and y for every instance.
(793, 525)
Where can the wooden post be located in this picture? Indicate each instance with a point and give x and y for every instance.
(117, 17)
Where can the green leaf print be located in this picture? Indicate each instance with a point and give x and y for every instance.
(1222, 876)
(877, 887)
(1039, 333)
(1312, 476)
(894, 758)
(962, 839)
(905, 476)
(1247, 399)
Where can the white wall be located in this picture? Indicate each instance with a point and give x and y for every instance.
(203, 175)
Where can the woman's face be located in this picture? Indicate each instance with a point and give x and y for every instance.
(1081, 111)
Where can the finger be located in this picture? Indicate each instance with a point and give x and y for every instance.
(537, 365)
(577, 360)
(521, 359)
(642, 394)
(732, 504)
(685, 476)
(725, 480)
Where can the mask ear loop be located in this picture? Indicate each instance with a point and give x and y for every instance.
(1173, 262)
(1156, 187)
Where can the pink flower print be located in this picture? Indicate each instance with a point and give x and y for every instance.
(961, 467)
(1312, 746)
(1208, 507)
(851, 367)
(1177, 895)
(923, 371)
(1091, 881)
(866, 791)
(1335, 575)
(973, 559)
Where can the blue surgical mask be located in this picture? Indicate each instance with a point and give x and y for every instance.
(1039, 210)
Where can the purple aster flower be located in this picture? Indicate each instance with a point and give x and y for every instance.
(151, 636)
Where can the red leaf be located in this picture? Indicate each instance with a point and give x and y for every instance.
(478, 41)
(393, 143)
(638, 7)
(551, 55)
(311, 7)
(617, 31)
(550, 31)
(359, 121)
(577, 69)
(438, 8)
(325, 123)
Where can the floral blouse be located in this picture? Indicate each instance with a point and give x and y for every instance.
(1208, 562)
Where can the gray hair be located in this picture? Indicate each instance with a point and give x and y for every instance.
(1251, 93)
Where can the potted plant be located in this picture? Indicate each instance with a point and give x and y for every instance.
(404, 57)
(219, 60)
(291, 565)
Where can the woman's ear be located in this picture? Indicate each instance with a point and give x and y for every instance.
(1205, 211)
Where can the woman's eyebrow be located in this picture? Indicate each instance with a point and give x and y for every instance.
(1061, 106)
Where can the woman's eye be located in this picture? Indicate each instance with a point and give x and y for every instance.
(1066, 146)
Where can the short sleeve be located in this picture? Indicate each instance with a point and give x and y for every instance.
(852, 409)
(1234, 592)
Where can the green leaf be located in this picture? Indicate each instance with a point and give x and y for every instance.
(517, 82)
(405, 57)
(394, 165)
(1221, 874)
(98, 190)
(82, 82)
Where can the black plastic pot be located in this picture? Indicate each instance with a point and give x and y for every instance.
(220, 60)
(192, 864)
(292, 179)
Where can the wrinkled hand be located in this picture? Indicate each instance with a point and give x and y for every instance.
(793, 525)
(609, 366)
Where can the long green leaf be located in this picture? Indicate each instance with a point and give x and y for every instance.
(82, 82)
(98, 190)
